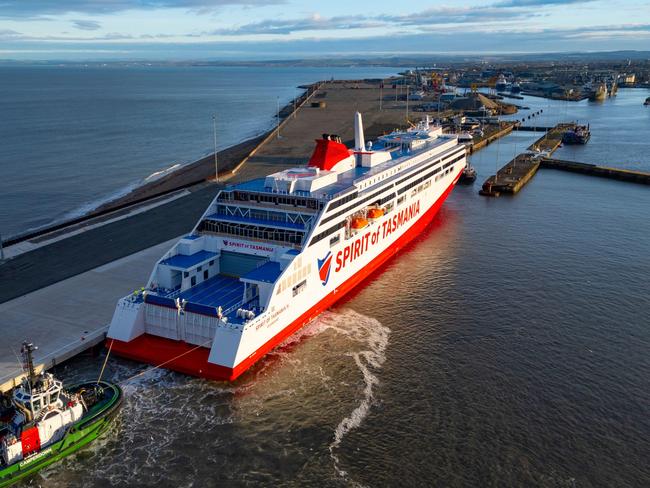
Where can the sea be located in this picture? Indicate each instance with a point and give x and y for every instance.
(508, 345)
(74, 137)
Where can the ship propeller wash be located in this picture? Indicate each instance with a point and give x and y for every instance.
(270, 254)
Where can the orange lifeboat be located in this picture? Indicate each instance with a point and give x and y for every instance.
(375, 213)
(358, 223)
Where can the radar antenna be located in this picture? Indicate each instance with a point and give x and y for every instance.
(28, 361)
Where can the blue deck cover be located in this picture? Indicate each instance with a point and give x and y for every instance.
(185, 262)
(217, 291)
(267, 273)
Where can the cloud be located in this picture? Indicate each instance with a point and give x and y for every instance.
(89, 25)
(312, 23)
(423, 19)
(499, 12)
(8, 34)
(537, 3)
(37, 8)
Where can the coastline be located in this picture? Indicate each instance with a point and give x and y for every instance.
(186, 176)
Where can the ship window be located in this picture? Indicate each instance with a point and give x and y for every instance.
(299, 287)
(205, 274)
(50, 415)
(185, 274)
(37, 404)
(335, 239)
(199, 269)
(193, 281)
(211, 263)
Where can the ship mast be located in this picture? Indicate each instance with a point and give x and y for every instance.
(26, 351)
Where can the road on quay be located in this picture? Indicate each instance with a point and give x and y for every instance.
(82, 252)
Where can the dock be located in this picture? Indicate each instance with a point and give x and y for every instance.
(595, 170)
(71, 316)
(492, 132)
(512, 177)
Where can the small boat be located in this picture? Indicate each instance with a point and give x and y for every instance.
(42, 422)
(578, 135)
(468, 175)
(647, 101)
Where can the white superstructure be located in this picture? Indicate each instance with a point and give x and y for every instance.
(269, 255)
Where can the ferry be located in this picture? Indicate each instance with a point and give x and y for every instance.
(501, 84)
(269, 255)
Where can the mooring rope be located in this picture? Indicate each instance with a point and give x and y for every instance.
(101, 373)
(141, 373)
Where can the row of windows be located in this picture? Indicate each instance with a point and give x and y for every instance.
(260, 214)
(294, 278)
(429, 175)
(342, 201)
(351, 207)
(243, 196)
(325, 233)
(334, 228)
(424, 168)
(254, 231)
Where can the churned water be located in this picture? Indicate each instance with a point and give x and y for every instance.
(508, 345)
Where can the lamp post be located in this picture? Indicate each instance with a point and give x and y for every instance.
(214, 133)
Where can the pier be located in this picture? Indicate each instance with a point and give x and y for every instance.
(595, 170)
(491, 133)
(516, 173)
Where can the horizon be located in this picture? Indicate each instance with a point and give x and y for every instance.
(263, 30)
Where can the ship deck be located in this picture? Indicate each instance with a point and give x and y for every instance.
(346, 180)
(218, 291)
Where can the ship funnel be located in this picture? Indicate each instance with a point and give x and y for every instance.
(359, 142)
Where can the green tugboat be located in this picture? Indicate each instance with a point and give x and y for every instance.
(42, 422)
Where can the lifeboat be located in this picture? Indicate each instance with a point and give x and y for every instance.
(358, 223)
(375, 213)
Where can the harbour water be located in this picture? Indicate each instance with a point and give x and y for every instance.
(506, 346)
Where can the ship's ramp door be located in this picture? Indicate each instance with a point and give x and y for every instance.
(238, 264)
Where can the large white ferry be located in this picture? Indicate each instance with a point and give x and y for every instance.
(270, 254)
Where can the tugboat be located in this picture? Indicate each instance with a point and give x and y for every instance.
(468, 176)
(578, 135)
(42, 422)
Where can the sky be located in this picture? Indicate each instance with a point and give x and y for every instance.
(289, 29)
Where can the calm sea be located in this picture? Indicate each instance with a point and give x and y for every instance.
(507, 346)
(71, 138)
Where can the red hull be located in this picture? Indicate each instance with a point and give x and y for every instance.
(193, 360)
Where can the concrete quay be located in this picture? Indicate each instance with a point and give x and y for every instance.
(594, 170)
(70, 316)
